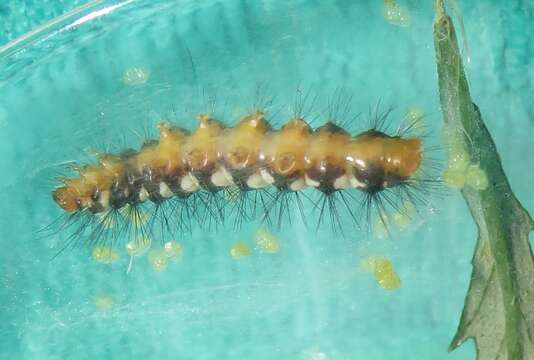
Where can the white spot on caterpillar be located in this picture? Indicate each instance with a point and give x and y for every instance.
(297, 185)
(104, 198)
(189, 183)
(267, 177)
(310, 182)
(164, 190)
(362, 164)
(222, 178)
(143, 194)
(256, 181)
(342, 182)
(355, 183)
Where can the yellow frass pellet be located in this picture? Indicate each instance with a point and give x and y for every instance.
(396, 14)
(239, 249)
(267, 242)
(388, 280)
(401, 220)
(458, 160)
(135, 76)
(385, 275)
(172, 249)
(383, 271)
(139, 245)
(368, 264)
(103, 303)
(158, 259)
(476, 177)
(105, 254)
(454, 178)
(414, 114)
(382, 265)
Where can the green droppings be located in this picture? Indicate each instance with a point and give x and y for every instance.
(105, 254)
(267, 242)
(239, 250)
(157, 258)
(172, 249)
(396, 14)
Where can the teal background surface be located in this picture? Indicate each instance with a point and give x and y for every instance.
(17, 17)
(62, 93)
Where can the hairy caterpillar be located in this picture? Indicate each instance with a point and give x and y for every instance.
(185, 176)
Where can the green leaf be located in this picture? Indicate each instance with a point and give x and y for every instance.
(499, 307)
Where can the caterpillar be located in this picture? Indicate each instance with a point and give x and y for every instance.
(186, 176)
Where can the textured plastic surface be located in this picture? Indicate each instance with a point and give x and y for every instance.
(310, 300)
(18, 17)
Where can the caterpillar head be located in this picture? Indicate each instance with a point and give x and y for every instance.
(66, 199)
(381, 161)
(76, 194)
